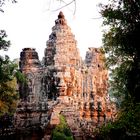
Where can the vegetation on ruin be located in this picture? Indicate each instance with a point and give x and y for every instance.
(121, 44)
(62, 131)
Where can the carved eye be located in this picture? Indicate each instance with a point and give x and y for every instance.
(30, 75)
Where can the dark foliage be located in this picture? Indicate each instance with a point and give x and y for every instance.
(121, 45)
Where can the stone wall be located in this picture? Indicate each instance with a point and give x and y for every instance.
(64, 82)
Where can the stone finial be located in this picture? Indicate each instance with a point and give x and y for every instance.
(61, 19)
(61, 15)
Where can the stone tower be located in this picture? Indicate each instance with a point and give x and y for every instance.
(95, 85)
(64, 84)
(32, 107)
(62, 55)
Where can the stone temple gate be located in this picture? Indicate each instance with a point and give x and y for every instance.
(63, 83)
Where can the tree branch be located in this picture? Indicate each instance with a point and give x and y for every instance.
(67, 4)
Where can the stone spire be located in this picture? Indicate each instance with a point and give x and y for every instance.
(61, 19)
(62, 54)
(33, 101)
(61, 46)
(61, 15)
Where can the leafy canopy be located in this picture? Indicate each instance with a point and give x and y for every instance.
(9, 76)
(121, 44)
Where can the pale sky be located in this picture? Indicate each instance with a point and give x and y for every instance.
(28, 23)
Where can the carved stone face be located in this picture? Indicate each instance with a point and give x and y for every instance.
(62, 87)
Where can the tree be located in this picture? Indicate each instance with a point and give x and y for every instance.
(8, 96)
(121, 43)
(9, 74)
(3, 43)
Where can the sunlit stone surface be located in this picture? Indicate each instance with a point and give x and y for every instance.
(65, 84)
